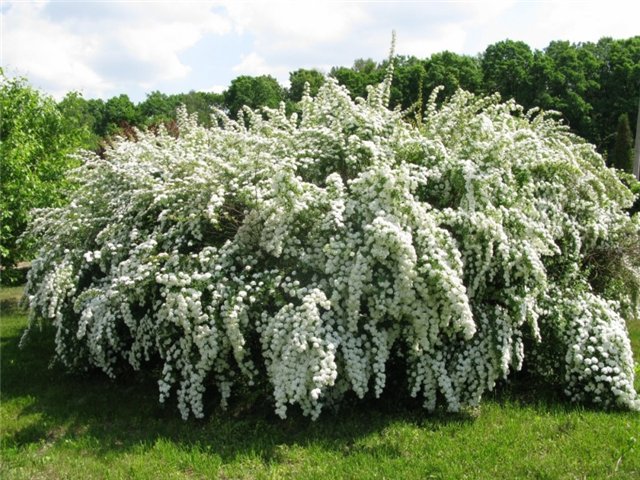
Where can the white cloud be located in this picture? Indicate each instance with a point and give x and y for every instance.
(303, 34)
(450, 37)
(586, 21)
(254, 64)
(539, 23)
(162, 30)
(217, 88)
(296, 25)
(103, 46)
(446, 26)
(108, 47)
(47, 52)
(481, 11)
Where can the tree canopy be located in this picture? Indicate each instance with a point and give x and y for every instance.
(590, 84)
(253, 92)
(622, 153)
(299, 78)
(36, 140)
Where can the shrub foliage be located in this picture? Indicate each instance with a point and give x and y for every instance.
(35, 145)
(306, 254)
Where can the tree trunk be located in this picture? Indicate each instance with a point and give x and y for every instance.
(636, 152)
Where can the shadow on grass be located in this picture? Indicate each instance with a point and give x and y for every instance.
(118, 416)
(11, 301)
(121, 415)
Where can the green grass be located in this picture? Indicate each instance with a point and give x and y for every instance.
(9, 298)
(54, 425)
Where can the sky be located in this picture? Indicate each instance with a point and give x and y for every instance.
(103, 48)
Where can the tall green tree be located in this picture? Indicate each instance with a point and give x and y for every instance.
(200, 103)
(364, 72)
(157, 108)
(636, 147)
(299, 78)
(408, 79)
(36, 141)
(354, 81)
(563, 77)
(452, 71)
(254, 92)
(119, 112)
(622, 153)
(506, 68)
(95, 107)
(619, 79)
(82, 117)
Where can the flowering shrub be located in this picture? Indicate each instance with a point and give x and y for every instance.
(308, 253)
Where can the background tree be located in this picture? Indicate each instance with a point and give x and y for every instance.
(83, 117)
(254, 92)
(408, 80)
(199, 103)
(506, 68)
(622, 153)
(452, 71)
(297, 80)
(564, 77)
(619, 78)
(119, 112)
(590, 84)
(364, 72)
(349, 78)
(95, 107)
(157, 108)
(636, 149)
(35, 142)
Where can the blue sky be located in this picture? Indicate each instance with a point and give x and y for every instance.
(104, 48)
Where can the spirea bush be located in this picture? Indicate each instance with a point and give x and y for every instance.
(306, 254)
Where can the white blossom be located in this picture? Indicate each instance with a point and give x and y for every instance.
(304, 253)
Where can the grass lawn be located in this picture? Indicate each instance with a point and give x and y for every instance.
(54, 425)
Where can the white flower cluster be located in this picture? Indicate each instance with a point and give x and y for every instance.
(598, 365)
(305, 253)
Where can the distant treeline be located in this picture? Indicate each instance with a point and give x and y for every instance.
(594, 85)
